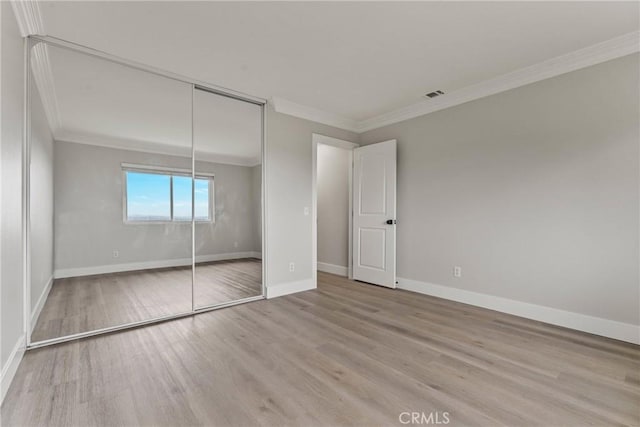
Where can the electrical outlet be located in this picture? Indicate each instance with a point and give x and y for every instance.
(306, 211)
(292, 267)
(116, 254)
(457, 271)
(235, 244)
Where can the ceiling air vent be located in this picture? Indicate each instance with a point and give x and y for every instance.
(434, 94)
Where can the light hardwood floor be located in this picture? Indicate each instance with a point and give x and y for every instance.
(344, 354)
(81, 304)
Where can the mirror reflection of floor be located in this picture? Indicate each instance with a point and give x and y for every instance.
(81, 304)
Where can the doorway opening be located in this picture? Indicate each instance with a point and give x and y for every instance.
(354, 210)
(332, 205)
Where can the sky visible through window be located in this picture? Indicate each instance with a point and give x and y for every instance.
(149, 197)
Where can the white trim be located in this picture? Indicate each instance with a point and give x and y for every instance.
(572, 61)
(147, 265)
(193, 200)
(314, 210)
(334, 142)
(147, 68)
(35, 313)
(581, 322)
(26, 201)
(264, 248)
(289, 288)
(1, 199)
(28, 16)
(340, 270)
(106, 141)
(290, 108)
(350, 215)
(11, 367)
(582, 58)
(122, 144)
(137, 167)
(43, 78)
(316, 139)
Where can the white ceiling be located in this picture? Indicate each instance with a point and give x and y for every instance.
(356, 60)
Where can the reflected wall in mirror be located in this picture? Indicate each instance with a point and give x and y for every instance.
(228, 199)
(110, 194)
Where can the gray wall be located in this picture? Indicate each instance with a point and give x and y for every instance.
(289, 192)
(534, 192)
(41, 200)
(256, 203)
(333, 205)
(12, 82)
(89, 211)
(237, 215)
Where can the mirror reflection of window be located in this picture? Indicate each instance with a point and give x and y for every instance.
(202, 195)
(148, 197)
(158, 196)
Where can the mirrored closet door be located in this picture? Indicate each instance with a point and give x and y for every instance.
(110, 194)
(227, 146)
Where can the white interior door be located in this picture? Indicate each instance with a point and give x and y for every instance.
(374, 213)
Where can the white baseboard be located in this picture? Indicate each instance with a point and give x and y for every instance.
(289, 288)
(146, 265)
(35, 312)
(581, 322)
(333, 269)
(11, 367)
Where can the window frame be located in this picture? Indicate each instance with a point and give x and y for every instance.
(170, 172)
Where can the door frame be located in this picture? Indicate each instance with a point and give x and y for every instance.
(317, 139)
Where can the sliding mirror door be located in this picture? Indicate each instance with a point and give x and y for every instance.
(109, 194)
(227, 199)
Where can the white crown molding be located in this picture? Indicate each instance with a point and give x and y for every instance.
(121, 143)
(227, 159)
(582, 58)
(315, 115)
(152, 147)
(334, 142)
(601, 52)
(43, 78)
(30, 22)
(29, 17)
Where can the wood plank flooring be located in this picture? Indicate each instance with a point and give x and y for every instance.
(345, 354)
(81, 304)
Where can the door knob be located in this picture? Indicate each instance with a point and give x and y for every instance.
(391, 221)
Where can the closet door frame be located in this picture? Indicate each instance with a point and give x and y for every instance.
(29, 43)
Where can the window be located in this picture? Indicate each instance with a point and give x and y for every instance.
(163, 196)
